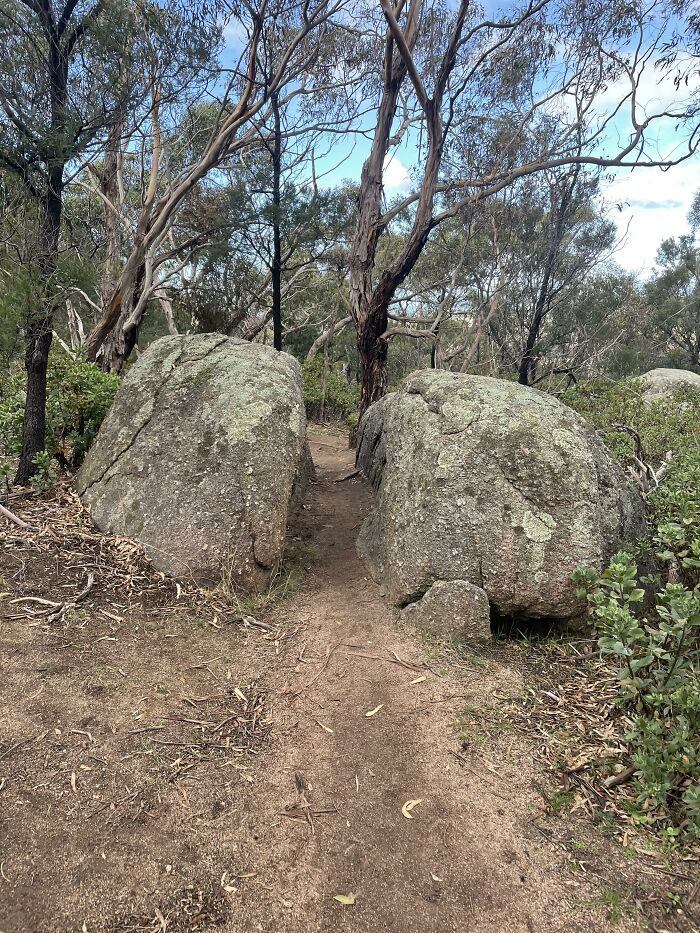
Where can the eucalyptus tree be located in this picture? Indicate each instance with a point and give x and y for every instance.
(673, 301)
(68, 74)
(600, 328)
(237, 117)
(292, 236)
(472, 95)
(561, 234)
(298, 215)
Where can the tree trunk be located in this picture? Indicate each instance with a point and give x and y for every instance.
(117, 346)
(76, 331)
(528, 360)
(276, 268)
(107, 344)
(119, 343)
(373, 351)
(435, 354)
(109, 186)
(40, 329)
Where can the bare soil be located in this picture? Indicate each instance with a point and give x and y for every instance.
(166, 767)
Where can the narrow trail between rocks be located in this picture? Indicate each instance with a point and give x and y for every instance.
(165, 770)
(367, 721)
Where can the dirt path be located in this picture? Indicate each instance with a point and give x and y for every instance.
(469, 858)
(164, 771)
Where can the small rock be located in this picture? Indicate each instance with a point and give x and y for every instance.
(451, 608)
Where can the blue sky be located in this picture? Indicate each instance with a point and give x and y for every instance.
(647, 204)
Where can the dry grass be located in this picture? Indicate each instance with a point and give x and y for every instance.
(571, 708)
(134, 712)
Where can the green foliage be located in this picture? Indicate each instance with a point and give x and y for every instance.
(78, 396)
(673, 298)
(332, 398)
(662, 426)
(651, 633)
(649, 624)
(671, 426)
(45, 475)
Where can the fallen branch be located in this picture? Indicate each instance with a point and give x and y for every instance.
(341, 479)
(15, 519)
(614, 779)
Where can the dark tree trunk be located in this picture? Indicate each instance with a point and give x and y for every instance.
(276, 268)
(528, 360)
(117, 347)
(116, 344)
(369, 302)
(373, 352)
(40, 328)
(434, 347)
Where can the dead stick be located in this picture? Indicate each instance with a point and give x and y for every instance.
(15, 519)
(318, 673)
(620, 778)
(347, 476)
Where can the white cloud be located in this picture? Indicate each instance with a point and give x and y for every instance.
(395, 174)
(656, 91)
(235, 34)
(654, 206)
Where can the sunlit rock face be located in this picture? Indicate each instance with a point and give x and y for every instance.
(202, 457)
(485, 481)
(660, 384)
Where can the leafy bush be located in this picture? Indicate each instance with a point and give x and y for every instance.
(662, 426)
(649, 624)
(336, 401)
(78, 396)
(651, 633)
(45, 476)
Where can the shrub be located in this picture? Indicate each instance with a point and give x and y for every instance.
(336, 401)
(649, 625)
(662, 426)
(651, 633)
(78, 396)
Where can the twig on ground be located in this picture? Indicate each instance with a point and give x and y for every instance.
(620, 778)
(346, 476)
(15, 519)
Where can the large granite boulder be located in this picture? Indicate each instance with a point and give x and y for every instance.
(660, 384)
(201, 458)
(484, 481)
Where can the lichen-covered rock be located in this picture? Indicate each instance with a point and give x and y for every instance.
(201, 457)
(451, 608)
(483, 480)
(662, 383)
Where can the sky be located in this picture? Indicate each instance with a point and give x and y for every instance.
(648, 205)
(655, 206)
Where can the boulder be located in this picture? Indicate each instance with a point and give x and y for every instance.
(662, 383)
(201, 458)
(485, 481)
(451, 608)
